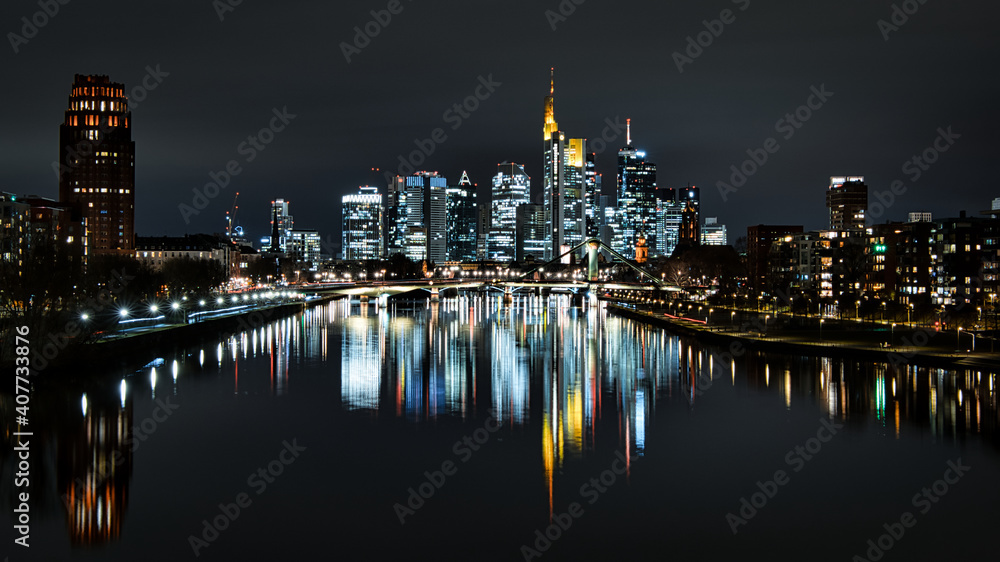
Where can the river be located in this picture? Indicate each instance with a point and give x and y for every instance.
(473, 430)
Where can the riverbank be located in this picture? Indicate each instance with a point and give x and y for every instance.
(935, 350)
(124, 354)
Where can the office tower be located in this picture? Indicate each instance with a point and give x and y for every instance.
(419, 214)
(847, 199)
(563, 186)
(463, 216)
(636, 196)
(305, 246)
(511, 189)
(677, 218)
(668, 221)
(921, 216)
(482, 231)
(713, 233)
(281, 224)
(97, 163)
(362, 224)
(529, 238)
(759, 240)
(595, 206)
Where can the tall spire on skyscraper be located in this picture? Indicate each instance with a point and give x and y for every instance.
(628, 132)
(550, 113)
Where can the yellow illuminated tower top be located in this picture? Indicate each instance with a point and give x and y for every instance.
(550, 113)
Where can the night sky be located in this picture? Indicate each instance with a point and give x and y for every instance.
(613, 60)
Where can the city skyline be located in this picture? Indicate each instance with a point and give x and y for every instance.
(695, 122)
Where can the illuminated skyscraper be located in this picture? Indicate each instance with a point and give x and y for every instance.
(362, 225)
(511, 189)
(847, 199)
(563, 185)
(594, 208)
(636, 196)
(463, 216)
(529, 237)
(281, 225)
(97, 163)
(678, 217)
(418, 213)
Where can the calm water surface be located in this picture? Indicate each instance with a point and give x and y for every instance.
(324, 429)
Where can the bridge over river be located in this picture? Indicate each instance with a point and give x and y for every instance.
(530, 281)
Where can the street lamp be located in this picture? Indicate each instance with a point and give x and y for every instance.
(958, 339)
(732, 318)
(821, 329)
(892, 342)
(909, 308)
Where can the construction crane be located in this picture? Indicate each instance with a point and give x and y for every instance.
(231, 216)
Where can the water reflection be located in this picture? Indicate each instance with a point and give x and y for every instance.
(565, 377)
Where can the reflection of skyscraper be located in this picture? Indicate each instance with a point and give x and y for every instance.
(563, 185)
(95, 466)
(97, 163)
(361, 363)
(511, 189)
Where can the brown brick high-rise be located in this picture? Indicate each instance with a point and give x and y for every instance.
(97, 163)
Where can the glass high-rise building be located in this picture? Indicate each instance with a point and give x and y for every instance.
(362, 224)
(563, 186)
(529, 234)
(511, 189)
(637, 197)
(677, 218)
(463, 218)
(281, 225)
(305, 246)
(594, 207)
(97, 163)
(417, 215)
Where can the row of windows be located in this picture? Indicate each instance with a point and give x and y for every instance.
(101, 190)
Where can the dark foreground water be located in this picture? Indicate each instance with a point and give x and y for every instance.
(470, 430)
